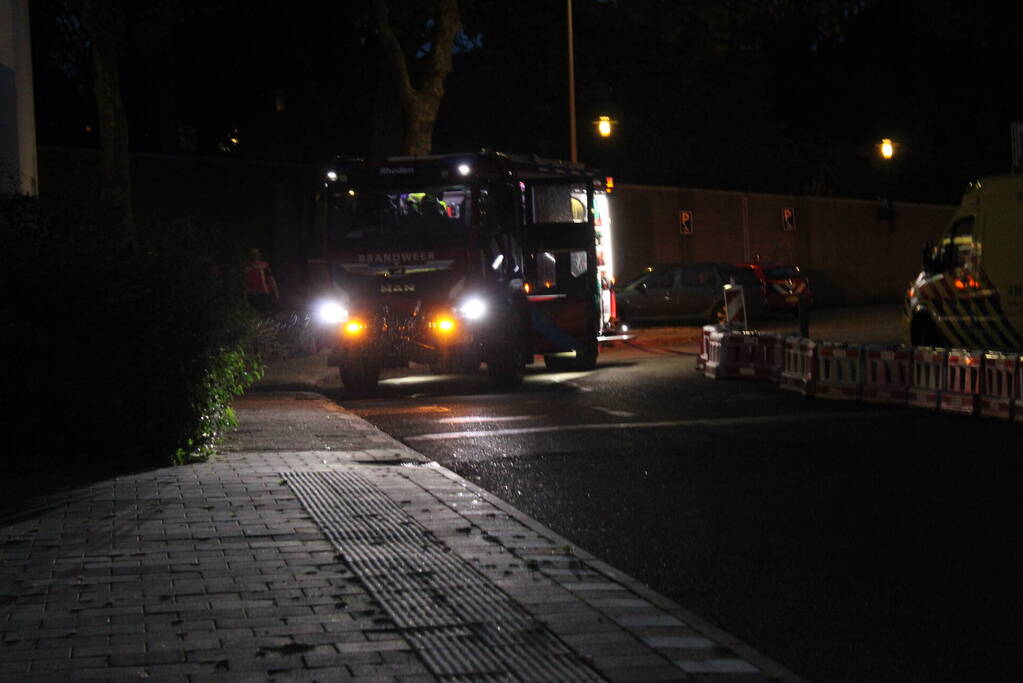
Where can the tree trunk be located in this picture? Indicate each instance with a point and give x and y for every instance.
(420, 106)
(115, 191)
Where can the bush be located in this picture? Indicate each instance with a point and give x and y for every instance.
(119, 353)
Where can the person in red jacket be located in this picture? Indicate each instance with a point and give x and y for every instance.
(260, 285)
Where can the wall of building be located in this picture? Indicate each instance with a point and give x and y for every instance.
(853, 252)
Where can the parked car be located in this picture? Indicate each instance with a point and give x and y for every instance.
(686, 291)
(784, 286)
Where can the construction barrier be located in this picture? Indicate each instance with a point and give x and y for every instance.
(701, 360)
(1017, 403)
(961, 391)
(799, 367)
(1000, 385)
(928, 377)
(735, 307)
(731, 353)
(886, 374)
(770, 356)
(839, 371)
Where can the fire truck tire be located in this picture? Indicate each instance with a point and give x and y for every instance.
(586, 358)
(360, 379)
(506, 371)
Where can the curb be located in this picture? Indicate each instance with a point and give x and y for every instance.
(766, 665)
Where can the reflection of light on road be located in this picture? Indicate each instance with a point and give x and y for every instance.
(404, 410)
(413, 380)
(484, 418)
(554, 377)
(698, 422)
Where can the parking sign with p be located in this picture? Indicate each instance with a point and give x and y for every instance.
(685, 222)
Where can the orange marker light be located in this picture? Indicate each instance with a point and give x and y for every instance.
(443, 325)
(354, 327)
(527, 287)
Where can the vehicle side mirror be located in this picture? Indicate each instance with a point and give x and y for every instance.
(934, 258)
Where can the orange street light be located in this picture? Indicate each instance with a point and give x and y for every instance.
(604, 126)
(887, 148)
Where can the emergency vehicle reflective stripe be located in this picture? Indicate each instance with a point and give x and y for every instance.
(991, 313)
(946, 310)
(970, 320)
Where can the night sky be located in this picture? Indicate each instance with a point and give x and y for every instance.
(789, 96)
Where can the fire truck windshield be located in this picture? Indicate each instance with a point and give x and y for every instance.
(383, 218)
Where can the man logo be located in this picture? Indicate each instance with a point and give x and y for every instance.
(397, 289)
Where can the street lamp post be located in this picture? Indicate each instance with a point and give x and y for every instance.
(886, 212)
(573, 150)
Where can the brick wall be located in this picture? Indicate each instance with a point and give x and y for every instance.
(854, 255)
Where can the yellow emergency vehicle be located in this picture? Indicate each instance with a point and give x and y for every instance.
(970, 291)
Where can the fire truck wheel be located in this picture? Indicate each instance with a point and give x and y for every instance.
(506, 371)
(586, 358)
(360, 379)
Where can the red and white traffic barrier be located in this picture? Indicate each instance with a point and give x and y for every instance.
(701, 360)
(770, 356)
(1000, 385)
(928, 377)
(731, 353)
(961, 392)
(839, 371)
(886, 374)
(1017, 403)
(799, 370)
(735, 307)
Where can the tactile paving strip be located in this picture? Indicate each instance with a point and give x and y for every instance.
(461, 624)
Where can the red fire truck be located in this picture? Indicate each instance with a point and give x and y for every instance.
(456, 260)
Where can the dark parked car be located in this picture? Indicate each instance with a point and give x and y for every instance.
(784, 286)
(686, 291)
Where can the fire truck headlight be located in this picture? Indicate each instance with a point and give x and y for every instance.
(473, 309)
(331, 313)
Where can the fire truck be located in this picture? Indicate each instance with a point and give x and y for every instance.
(460, 260)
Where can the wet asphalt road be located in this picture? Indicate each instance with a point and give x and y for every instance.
(848, 542)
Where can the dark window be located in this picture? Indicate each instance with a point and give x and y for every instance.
(698, 277)
(660, 279)
(959, 242)
(781, 273)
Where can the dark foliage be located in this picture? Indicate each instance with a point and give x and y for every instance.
(115, 353)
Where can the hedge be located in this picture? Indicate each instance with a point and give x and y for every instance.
(117, 352)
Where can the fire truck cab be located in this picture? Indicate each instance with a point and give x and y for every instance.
(456, 260)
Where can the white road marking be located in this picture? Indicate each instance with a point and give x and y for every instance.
(616, 413)
(704, 422)
(484, 418)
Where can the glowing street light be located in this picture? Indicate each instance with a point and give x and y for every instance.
(887, 148)
(605, 125)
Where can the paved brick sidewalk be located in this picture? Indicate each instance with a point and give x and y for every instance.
(318, 548)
